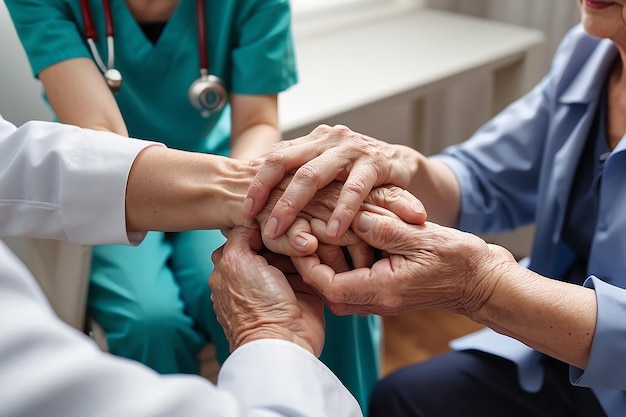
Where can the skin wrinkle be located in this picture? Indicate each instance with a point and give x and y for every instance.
(333, 159)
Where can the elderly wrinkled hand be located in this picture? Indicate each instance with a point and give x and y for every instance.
(309, 227)
(257, 294)
(424, 266)
(325, 155)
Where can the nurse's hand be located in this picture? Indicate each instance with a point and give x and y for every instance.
(424, 266)
(325, 155)
(308, 229)
(257, 294)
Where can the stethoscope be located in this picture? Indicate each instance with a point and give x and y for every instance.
(206, 94)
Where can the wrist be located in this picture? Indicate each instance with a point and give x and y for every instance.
(408, 163)
(232, 186)
(493, 278)
(270, 332)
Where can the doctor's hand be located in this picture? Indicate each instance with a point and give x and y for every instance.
(325, 155)
(257, 294)
(425, 266)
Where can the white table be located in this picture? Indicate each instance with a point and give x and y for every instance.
(403, 58)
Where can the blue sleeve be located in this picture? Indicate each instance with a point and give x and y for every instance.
(606, 367)
(264, 59)
(48, 31)
(500, 169)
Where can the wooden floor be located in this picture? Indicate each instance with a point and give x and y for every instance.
(415, 336)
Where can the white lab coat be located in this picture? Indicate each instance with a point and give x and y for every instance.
(64, 183)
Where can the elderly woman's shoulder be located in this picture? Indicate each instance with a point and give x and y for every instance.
(577, 47)
(576, 39)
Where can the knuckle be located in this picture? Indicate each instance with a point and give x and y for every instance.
(390, 196)
(307, 174)
(275, 156)
(356, 186)
(378, 196)
(332, 254)
(257, 186)
(385, 231)
(286, 203)
(322, 129)
(341, 131)
(283, 144)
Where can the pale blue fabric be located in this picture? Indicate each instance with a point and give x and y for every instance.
(518, 169)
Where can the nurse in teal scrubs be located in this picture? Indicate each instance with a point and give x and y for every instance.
(153, 300)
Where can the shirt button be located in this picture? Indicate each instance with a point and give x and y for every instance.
(603, 157)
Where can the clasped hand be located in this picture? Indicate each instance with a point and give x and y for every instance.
(316, 220)
(258, 293)
(423, 266)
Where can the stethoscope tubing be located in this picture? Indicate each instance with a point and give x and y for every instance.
(207, 93)
(91, 34)
(200, 21)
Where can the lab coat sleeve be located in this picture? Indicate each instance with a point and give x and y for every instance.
(606, 367)
(62, 182)
(49, 369)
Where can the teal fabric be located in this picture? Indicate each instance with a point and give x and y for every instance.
(251, 48)
(353, 350)
(161, 314)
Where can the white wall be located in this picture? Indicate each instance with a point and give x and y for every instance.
(553, 17)
(20, 93)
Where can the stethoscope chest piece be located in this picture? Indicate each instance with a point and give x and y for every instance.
(207, 94)
(113, 79)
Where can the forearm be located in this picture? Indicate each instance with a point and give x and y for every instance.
(254, 124)
(436, 186)
(551, 316)
(79, 96)
(254, 141)
(173, 190)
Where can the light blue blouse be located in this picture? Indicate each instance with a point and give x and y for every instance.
(518, 169)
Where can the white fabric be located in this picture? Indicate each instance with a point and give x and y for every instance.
(60, 182)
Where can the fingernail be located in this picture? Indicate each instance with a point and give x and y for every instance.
(272, 227)
(333, 228)
(364, 223)
(301, 241)
(247, 207)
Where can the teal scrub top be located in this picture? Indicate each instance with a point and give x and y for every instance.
(249, 42)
